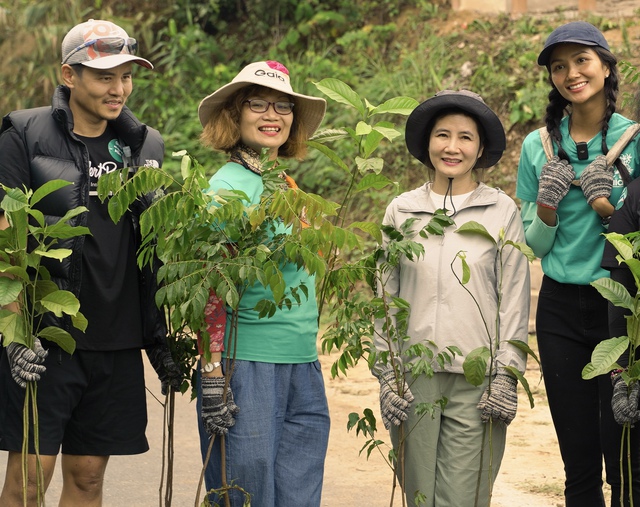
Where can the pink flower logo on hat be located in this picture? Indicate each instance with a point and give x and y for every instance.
(278, 66)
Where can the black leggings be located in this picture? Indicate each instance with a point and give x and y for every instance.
(570, 321)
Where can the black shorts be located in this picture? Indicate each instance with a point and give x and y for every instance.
(91, 403)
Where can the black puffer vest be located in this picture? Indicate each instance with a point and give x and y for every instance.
(54, 152)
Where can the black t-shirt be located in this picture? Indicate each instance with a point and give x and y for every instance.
(109, 294)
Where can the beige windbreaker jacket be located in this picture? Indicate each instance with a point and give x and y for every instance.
(442, 311)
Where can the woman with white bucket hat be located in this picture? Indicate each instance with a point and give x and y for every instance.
(275, 418)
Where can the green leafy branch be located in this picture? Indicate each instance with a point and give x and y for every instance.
(606, 354)
(476, 361)
(28, 294)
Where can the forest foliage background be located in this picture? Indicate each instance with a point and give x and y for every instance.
(381, 48)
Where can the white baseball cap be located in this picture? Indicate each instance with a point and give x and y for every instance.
(101, 45)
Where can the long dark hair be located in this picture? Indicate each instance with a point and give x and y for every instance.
(558, 105)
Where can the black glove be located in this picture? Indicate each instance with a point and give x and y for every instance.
(624, 402)
(393, 407)
(217, 415)
(168, 371)
(555, 181)
(500, 399)
(25, 363)
(597, 179)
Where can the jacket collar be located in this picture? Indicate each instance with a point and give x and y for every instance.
(419, 200)
(126, 125)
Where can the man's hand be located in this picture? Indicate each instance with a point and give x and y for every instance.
(555, 181)
(500, 399)
(393, 407)
(217, 415)
(624, 402)
(25, 363)
(168, 372)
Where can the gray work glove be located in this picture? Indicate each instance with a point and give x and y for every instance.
(393, 407)
(26, 364)
(168, 371)
(500, 399)
(217, 415)
(597, 179)
(624, 402)
(555, 181)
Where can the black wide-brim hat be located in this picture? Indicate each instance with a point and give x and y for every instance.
(421, 119)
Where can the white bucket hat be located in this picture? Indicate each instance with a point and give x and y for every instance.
(100, 44)
(308, 110)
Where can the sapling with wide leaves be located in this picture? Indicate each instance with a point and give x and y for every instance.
(480, 362)
(605, 356)
(28, 294)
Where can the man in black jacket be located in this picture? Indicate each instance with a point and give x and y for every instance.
(92, 403)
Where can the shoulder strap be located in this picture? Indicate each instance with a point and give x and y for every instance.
(547, 145)
(621, 143)
(614, 152)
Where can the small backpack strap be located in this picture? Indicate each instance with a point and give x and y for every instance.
(621, 143)
(547, 144)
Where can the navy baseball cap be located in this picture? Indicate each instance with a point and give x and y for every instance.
(577, 32)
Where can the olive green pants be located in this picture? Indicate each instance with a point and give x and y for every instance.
(452, 456)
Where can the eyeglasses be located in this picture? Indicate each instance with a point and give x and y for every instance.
(108, 46)
(261, 106)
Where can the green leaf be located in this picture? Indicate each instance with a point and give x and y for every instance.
(604, 356)
(342, 93)
(54, 253)
(14, 199)
(372, 180)
(10, 290)
(525, 348)
(523, 381)
(621, 244)
(370, 228)
(634, 267)
(46, 189)
(397, 105)
(331, 155)
(60, 302)
(362, 128)
(12, 328)
(475, 228)
(524, 248)
(614, 292)
(475, 365)
(328, 135)
(365, 165)
(466, 271)
(79, 321)
(388, 133)
(59, 336)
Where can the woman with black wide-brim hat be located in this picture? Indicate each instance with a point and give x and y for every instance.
(455, 135)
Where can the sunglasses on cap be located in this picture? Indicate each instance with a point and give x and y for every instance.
(261, 106)
(108, 46)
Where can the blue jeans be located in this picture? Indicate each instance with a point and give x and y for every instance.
(276, 449)
(571, 320)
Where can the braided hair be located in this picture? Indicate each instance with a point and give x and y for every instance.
(558, 106)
